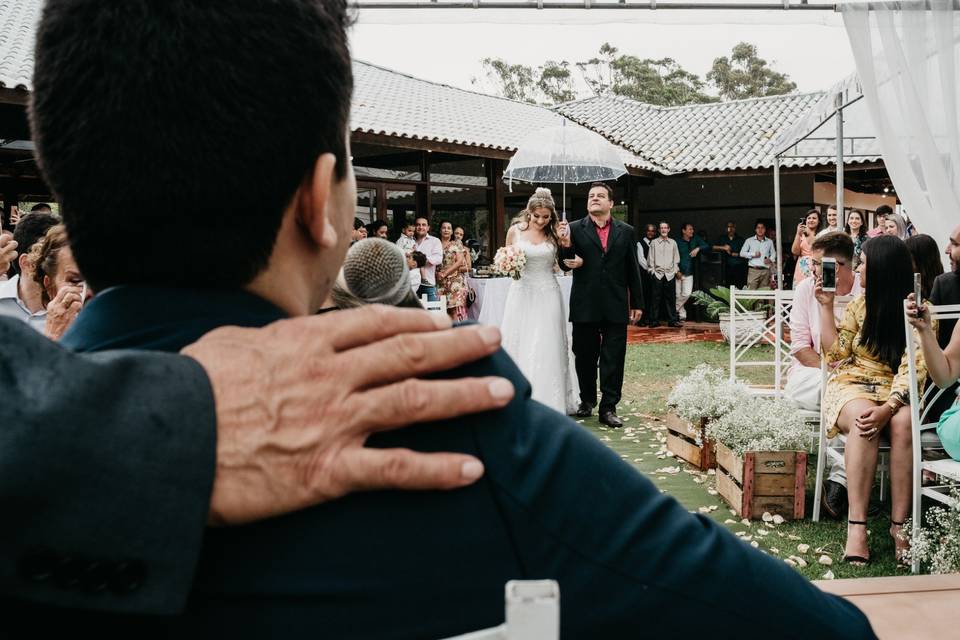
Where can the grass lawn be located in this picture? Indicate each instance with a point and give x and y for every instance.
(651, 370)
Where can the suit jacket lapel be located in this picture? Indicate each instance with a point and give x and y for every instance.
(614, 232)
(587, 225)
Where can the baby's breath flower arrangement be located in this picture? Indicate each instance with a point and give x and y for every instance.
(761, 424)
(938, 545)
(706, 392)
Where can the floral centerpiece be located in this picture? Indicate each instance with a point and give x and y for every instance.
(706, 393)
(938, 544)
(510, 261)
(761, 424)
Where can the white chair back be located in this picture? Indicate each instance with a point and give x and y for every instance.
(532, 612)
(435, 306)
(920, 422)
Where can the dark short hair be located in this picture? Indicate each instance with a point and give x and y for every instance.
(419, 258)
(424, 218)
(835, 244)
(41, 206)
(684, 225)
(358, 224)
(884, 210)
(605, 186)
(758, 223)
(662, 222)
(30, 230)
(194, 115)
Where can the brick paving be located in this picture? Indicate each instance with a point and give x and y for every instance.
(690, 332)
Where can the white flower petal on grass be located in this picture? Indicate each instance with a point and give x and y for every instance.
(711, 472)
(777, 519)
(790, 562)
(670, 470)
(754, 544)
(793, 537)
(729, 521)
(774, 550)
(745, 522)
(713, 507)
(803, 548)
(800, 561)
(825, 559)
(712, 492)
(766, 517)
(827, 576)
(703, 509)
(762, 532)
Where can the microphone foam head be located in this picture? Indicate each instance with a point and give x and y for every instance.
(375, 270)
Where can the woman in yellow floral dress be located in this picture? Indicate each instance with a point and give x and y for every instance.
(450, 280)
(870, 387)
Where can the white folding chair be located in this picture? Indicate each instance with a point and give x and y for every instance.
(435, 306)
(532, 613)
(924, 431)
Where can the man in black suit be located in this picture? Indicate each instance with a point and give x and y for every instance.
(606, 294)
(554, 502)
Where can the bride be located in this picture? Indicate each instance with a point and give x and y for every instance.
(534, 327)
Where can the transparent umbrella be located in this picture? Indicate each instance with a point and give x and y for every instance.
(564, 154)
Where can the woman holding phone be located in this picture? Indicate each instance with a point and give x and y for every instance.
(803, 245)
(865, 397)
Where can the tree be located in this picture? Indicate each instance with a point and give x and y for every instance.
(662, 82)
(746, 75)
(555, 82)
(514, 81)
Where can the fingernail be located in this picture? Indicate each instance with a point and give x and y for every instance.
(441, 320)
(471, 470)
(490, 335)
(501, 389)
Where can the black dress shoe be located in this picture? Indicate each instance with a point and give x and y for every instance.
(610, 419)
(834, 500)
(676, 324)
(585, 410)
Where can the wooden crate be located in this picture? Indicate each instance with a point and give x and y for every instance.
(762, 481)
(682, 442)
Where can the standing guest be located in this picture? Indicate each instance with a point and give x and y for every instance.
(663, 264)
(459, 234)
(833, 224)
(760, 255)
(429, 246)
(894, 225)
(359, 230)
(378, 229)
(406, 241)
(21, 296)
(867, 394)
(735, 267)
(856, 228)
(450, 282)
(804, 377)
(802, 245)
(880, 218)
(62, 290)
(646, 281)
(416, 261)
(688, 246)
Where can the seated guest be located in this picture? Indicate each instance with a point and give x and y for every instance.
(378, 229)
(894, 225)
(21, 296)
(803, 380)
(359, 230)
(865, 398)
(62, 289)
(554, 502)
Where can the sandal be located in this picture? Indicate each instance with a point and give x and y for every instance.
(900, 545)
(857, 561)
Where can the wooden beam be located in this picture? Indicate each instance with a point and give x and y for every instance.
(429, 145)
(14, 96)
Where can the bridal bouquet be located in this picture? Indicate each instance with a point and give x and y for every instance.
(510, 261)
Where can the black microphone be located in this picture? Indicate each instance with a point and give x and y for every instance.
(375, 271)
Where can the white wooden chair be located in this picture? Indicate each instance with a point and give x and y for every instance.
(435, 306)
(925, 436)
(532, 613)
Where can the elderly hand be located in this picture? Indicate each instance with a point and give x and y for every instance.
(918, 315)
(62, 311)
(636, 315)
(8, 252)
(574, 263)
(297, 400)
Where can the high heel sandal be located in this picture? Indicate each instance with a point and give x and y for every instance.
(858, 561)
(900, 545)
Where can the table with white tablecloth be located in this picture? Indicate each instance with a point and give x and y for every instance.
(492, 298)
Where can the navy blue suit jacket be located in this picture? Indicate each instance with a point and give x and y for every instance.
(554, 503)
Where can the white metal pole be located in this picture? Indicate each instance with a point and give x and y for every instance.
(776, 213)
(840, 215)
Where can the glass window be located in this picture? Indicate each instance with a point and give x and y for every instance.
(401, 209)
(467, 207)
(384, 163)
(453, 169)
(367, 204)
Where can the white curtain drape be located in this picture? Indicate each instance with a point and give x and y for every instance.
(906, 52)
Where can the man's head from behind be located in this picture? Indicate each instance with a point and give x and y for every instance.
(30, 230)
(839, 246)
(229, 119)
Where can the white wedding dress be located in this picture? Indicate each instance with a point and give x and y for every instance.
(535, 330)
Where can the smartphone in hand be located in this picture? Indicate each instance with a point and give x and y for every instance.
(917, 289)
(828, 271)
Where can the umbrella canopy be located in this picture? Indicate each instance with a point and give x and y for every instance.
(565, 154)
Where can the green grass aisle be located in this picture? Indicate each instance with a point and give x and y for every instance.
(651, 371)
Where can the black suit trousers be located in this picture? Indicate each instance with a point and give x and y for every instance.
(664, 295)
(606, 343)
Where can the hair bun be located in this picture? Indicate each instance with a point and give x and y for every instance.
(543, 192)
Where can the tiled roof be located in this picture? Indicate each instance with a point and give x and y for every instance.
(396, 104)
(722, 136)
(18, 22)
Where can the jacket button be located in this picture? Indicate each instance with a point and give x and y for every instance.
(95, 576)
(127, 576)
(38, 565)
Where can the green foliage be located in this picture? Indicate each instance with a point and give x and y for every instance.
(746, 75)
(718, 301)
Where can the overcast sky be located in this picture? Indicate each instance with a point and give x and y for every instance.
(449, 49)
